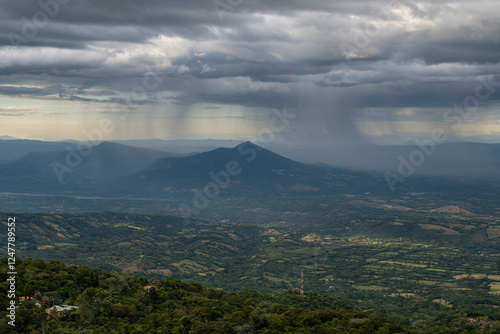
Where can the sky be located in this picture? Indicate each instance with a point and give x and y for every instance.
(355, 71)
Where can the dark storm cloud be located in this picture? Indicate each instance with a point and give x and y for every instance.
(18, 91)
(52, 91)
(351, 54)
(273, 70)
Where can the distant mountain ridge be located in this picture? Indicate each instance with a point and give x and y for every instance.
(14, 149)
(464, 160)
(38, 170)
(115, 169)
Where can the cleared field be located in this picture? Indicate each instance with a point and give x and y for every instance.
(437, 269)
(45, 247)
(187, 266)
(416, 265)
(396, 294)
(442, 302)
(55, 226)
(427, 282)
(493, 232)
(478, 276)
(462, 276)
(274, 279)
(495, 286)
(370, 287)
(446, 230)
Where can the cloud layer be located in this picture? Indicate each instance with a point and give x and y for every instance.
(336, 64)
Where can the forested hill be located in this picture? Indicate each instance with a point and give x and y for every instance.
(121, 303)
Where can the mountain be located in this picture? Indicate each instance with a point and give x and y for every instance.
(244, 167)
(114, 169)
(14, 149)
(180, 146)
(65, 169)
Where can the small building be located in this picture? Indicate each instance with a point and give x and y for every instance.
(61, 309)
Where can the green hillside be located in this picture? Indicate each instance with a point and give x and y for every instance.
(121, 303)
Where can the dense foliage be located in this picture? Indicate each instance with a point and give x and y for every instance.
(120, 303)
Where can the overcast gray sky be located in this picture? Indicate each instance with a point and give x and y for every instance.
(358, 70)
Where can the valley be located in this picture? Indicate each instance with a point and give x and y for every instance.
(404, 260)
(424, 253)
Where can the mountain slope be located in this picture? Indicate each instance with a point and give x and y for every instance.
(14, 149)
(246, 166)
(53, 170)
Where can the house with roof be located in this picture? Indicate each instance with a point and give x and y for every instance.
(60, 309)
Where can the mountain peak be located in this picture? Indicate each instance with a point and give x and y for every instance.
(248, 144)
(106, 144)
